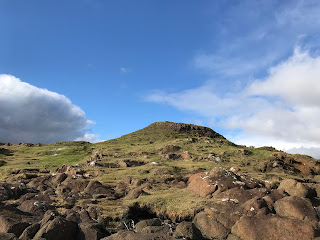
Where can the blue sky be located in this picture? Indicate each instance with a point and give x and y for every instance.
(247, 69)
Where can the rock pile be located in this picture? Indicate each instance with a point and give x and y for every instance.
(65, 205)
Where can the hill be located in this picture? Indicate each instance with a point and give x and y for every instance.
(168, 170)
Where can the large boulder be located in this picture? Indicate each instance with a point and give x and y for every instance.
(187, 230)
(12, 222)
(30, 231)
(296, 208)
(208, 184)
(96, 187)
(272, 227)
(34, 207)
(238, 195)
(170, 149)
(209, 227)
(91, 231)
(58, 228)
(148, 222)
(200, 184)
(293, 188)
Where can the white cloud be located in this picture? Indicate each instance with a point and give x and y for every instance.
(31, 114)
(315, 152)
(282, 110)
(254, 35)
(90, 137)
(124, 70)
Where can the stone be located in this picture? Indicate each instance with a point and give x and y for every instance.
(8, 236)
(293, 188)
(185, 230)
(186, 155)
(93, 231)
(200, 184)
(135, 193)
(30, 231)
(149, 222)
(156, 229)
(11, 222)
(128, 235)
(209, 227)
(170, 149)
(34, 207)
(296, 208)
(272, 227)
(58, 228)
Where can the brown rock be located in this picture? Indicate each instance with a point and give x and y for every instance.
(200, 184)
(170, 149)
(96, 187)
(240, 195)
(233, 237)
(59, 178)
(185, 230)
(296, 208)
(149, 222)
(128, 235)
(172, 156)
(122, 164)
(156, 229)
(8, 236)
(15, 223)
(92, 231)
(75, 184)
(227, 213)
(293, 188)
(64, 168)
(135, 193)
(209, 227)
(186, 155)
(58, 228)
(34, 207)
(30, 231)
(272, 227)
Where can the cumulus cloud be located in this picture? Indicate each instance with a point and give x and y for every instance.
(31, 114)
(282, 110)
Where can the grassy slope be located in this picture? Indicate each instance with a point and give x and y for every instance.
(143, 145)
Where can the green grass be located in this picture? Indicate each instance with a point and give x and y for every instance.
(144, 145)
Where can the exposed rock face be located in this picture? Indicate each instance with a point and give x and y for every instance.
(288, 163)
(190, 129)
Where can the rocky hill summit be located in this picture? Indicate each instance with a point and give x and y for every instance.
(166, 181)
(181, 128)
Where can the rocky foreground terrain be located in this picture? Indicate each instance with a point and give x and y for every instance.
(167, 181)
